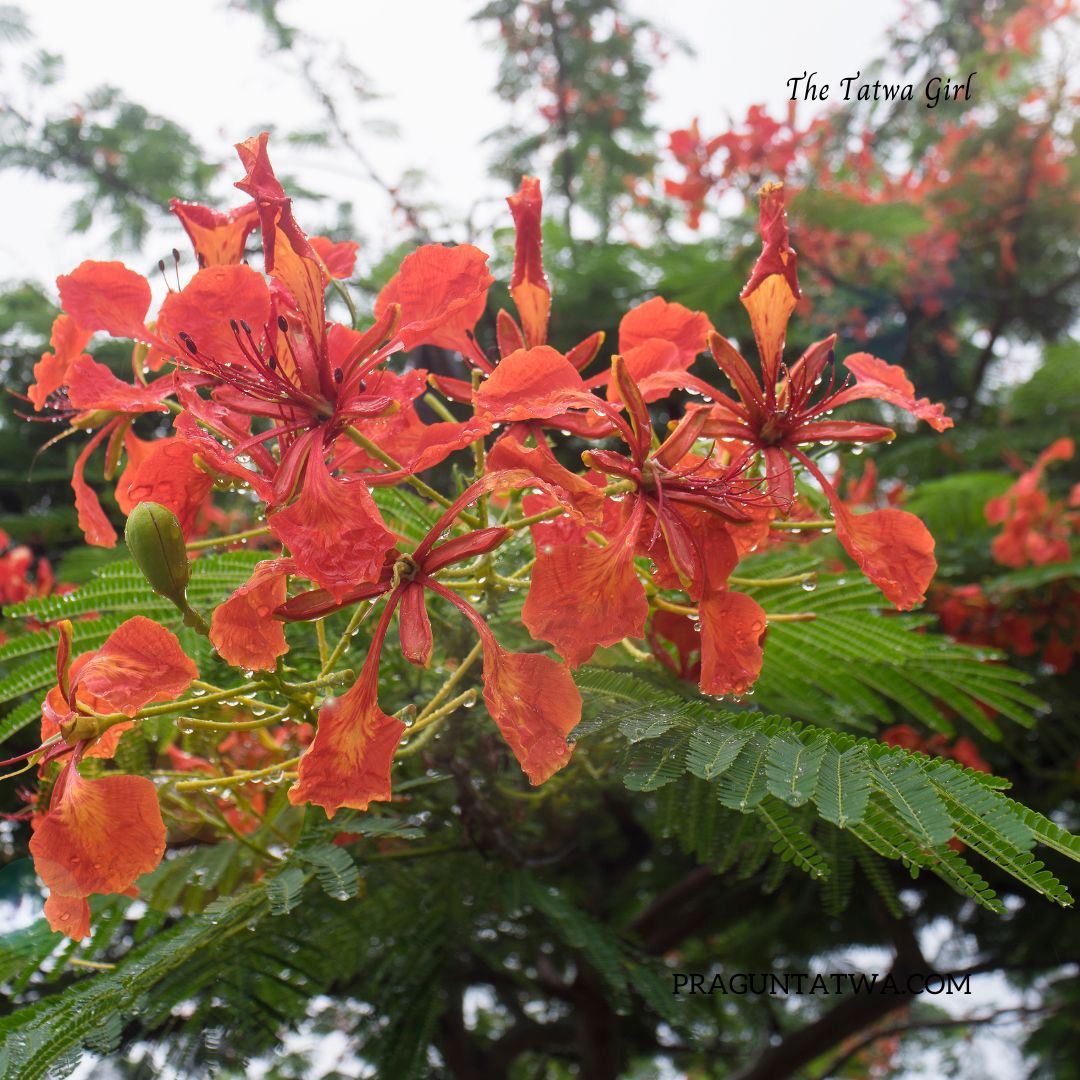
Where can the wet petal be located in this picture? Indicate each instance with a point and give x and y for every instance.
(732, 637)
(415, 626)
(442, 292)
(51, 372)
(586, 596)
(348, 763)
(92, 519)
(242, 628)
(530, 384)
(894, 549)
(68, 914)
(93, 386)
(333, 530)
(535, 704)
(874, 378)
(164, 471)
(99, 835)
(107, 296)
(209, 303)
(140, 662)
(217, 237)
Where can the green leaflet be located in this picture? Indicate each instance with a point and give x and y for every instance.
(900, 804)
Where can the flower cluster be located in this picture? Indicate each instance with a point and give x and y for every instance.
(308, 416)
(1041, 620)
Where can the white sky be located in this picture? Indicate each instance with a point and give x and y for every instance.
(209, 68)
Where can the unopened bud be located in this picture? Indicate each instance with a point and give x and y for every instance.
(156, 543)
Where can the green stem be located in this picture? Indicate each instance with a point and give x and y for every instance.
(440, 409)
(444, 691)
(797, 526)
(235, 778)
(362, 611)
(232, 538)
(377, 452)
(794, 579)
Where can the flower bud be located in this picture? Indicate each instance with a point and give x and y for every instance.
(156, 543)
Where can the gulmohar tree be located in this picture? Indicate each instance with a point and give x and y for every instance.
(458, 713)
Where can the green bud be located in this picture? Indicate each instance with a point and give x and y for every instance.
(156, 543)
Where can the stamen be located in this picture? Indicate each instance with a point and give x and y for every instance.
(339, 376)
(283, 324)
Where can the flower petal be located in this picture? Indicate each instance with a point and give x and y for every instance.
(92, 519)
(140, 662)
(68, 914)
(348, 763)
(218, 238)
(51, 372)
(586, 596)
(531, 698)
(338, 259)
(687, 330)
(530, 384)
(874, 378)
(242, 628)
(204, 309)
(535, 704)
(107, 296)
(164, 471)
(333, 530)
(93, 386)
(732, 636)
(99, 835)
(528, 284)
(442, 292)
(415, 626)
(583, 496)
(894, 549)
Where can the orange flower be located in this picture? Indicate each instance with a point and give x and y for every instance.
(99, 835)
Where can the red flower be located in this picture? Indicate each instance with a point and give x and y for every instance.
(1036, 530)
(776, 415)
(531, 698)
(584, 595)
(99, 835)
(140, 662)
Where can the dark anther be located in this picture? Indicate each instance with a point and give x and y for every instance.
(271, 362)
(176, 256)
(191, 346)
(234, 326)
(202, 260)
(283, 324)
(246, 328)
(161, 265)
(470, 335)
(339, 375)
(362, 386)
